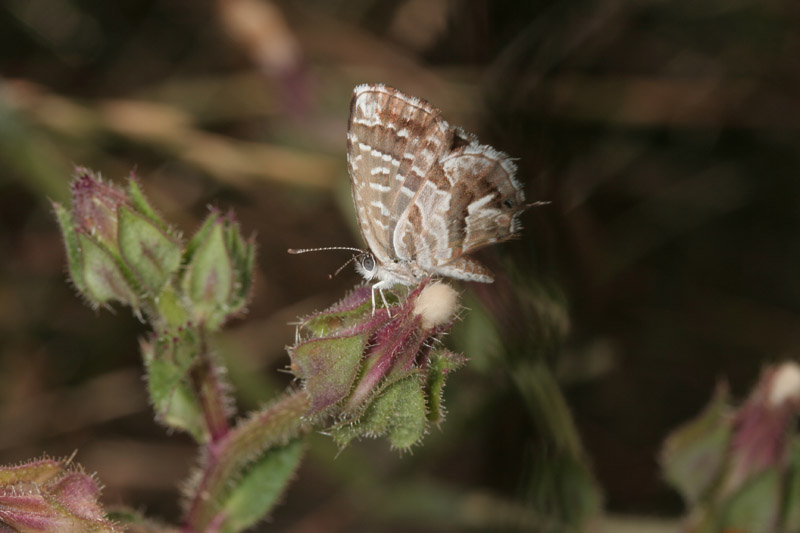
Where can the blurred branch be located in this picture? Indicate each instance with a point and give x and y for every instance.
(171, 132)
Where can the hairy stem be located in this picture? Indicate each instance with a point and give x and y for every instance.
(225, 459)
(210, 393)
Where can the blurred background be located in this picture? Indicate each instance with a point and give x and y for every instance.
(665, 134)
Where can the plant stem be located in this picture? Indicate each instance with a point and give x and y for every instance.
(210, 392)
(224, 459)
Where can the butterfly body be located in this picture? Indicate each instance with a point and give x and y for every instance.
(426, 193)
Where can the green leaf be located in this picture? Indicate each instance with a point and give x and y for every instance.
(755, 506)
(72, 246)
(142, 206)
(397, 412)
(208, 281)
(242, 255)
(151, 253)
(441, 363)
(328, 367)
(791, 518)
(200, 236)
(168, 363)
(693, 455)
(261, 486)
(103, 275)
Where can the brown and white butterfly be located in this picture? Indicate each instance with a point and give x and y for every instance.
(426, 193)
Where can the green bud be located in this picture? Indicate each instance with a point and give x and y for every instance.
(104, 277)
(397, 412)
(150, 252)
(738, 466)
(118, 249)
(219, 271)
(375, 371)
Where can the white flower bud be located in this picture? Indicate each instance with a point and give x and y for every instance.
(436, 304)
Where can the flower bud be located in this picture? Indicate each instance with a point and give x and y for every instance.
(740, 467)
(117, 247)
(44, 495)
(762, 427)
(219, 272)
(378, 371)
(94, 206)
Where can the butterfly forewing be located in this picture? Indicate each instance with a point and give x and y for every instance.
(391, 138)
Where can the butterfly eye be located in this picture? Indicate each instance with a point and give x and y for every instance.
(508, 203)
(368, 263)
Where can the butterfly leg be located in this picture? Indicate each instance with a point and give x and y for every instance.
(386, 305)
(379, 287)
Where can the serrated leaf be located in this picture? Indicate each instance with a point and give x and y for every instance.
(328, 367)
(152, 254)
(397, 412)
(693, 455)
(261, 486)
(103, 275)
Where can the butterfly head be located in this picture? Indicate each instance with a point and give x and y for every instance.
(367, 266)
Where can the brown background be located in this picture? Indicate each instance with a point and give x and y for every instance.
(665, 134)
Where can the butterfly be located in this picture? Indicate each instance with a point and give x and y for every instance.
(426, 193)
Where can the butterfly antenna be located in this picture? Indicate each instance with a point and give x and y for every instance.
(304, 250)
(331, 276)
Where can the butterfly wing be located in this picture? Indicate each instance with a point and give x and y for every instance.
(468, 200)
(426, 193)
(393, 142)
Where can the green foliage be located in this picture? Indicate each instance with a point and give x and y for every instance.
(150, 252)
(441, 363)
(373, 371)
(328, 367)
(693, 455)
(168, 361)
(737, 467)
(103, 277)
(71, 245)
(755, 506)
(260, 488)
(208, 281)
(397, 412)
